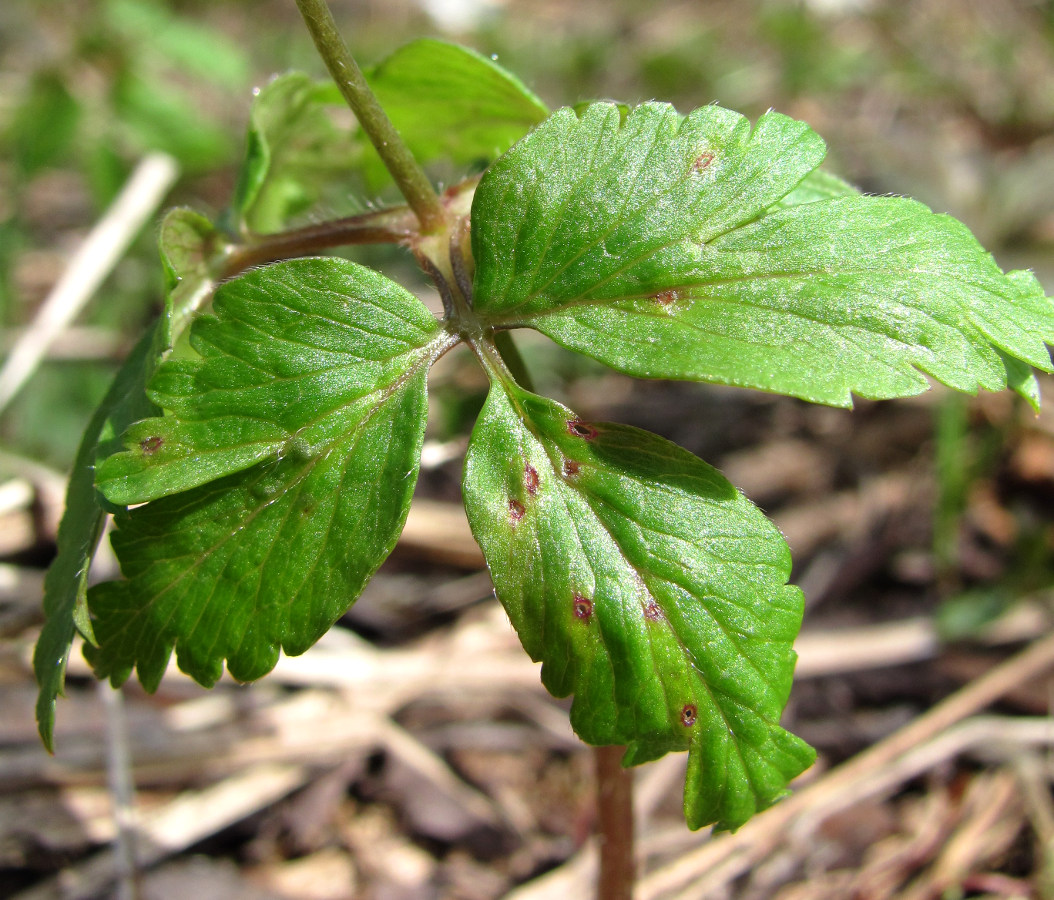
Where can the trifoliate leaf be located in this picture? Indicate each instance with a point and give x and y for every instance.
(291, 450)
(649, 588)
(452, 103)
(647, 245)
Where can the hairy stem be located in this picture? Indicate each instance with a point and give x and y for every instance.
(408, 174)
(614, 825)
(390, 226)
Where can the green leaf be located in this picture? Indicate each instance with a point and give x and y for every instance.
(190, 249)
(649, 588)
(817, 185)
(294, 149)
(192, 254)
(647, 245)
(291, 452)
(65, 586)
(159, 115)
(44, 125)
(449, 102)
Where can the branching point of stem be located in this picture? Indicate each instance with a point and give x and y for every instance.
(400, 162)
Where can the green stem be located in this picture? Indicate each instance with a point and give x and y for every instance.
(513, 359)
(408, 174)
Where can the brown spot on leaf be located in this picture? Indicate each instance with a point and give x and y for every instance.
(151, 445)
(516, 511)
(666, 298)
(583, 608)
(530, 479)
(652, 611)
(581, 429)
(571, 468)
(689, 715)
(702, 161)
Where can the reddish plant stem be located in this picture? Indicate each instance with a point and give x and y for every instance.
(395, 226)
(614, 825)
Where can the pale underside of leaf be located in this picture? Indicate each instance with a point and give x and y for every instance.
(650, 589)
(689, 265)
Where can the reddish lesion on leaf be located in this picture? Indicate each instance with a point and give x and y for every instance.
(516, 511)
(571, 468)
(689, 715)
(652, 611)
(581, 429)
(530, 479)
(666, 298)
(149, 446)
(583, 608)
(703, 160)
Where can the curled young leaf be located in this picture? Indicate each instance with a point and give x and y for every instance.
(294, 150)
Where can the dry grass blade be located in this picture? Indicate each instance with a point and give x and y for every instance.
(183, 822)
(109, 239)
(722, 859)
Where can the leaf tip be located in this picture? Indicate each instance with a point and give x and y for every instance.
(46, 720)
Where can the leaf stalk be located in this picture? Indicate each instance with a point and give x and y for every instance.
(389, 226)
